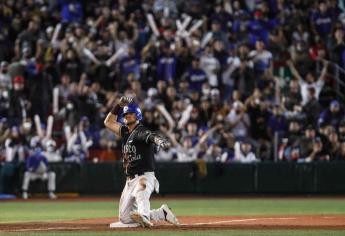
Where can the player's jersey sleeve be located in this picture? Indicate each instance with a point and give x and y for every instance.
(124, 132)
(144, 134)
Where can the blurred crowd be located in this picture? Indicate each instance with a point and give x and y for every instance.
(224, 80)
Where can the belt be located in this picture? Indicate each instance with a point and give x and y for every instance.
(135, 175)
(130, 177)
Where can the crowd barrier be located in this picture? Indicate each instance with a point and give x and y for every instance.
(190, 178)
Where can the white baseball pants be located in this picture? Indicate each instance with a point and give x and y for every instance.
(28, 176)
(136, 197)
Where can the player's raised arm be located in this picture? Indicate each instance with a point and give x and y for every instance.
(111, 120)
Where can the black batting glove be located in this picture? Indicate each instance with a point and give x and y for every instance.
(124, 101)
(164, 144)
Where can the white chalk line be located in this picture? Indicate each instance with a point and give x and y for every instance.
(240, 220)
(331, 217)
(46, 229)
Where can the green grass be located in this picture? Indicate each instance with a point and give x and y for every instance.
(55, 210)
(11, 212)
(198, 233)
(50, 211)
(244, 207)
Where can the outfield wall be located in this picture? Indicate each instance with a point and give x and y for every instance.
(216, 178)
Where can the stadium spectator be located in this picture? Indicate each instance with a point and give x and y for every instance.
(341, 153)
(276, 122)
(5, 131)
(93, 52)
(309, 81)
(312, 108)
(195, 75)
(335, 145)
(19, 103)
(318, 153)
(15, 146)
(5, 79)
(211, 66)
(305, 143)
(332, 115)
(79, 142)
(291, 96)
(336, 46)
(321, 20)
(341, 130)
(262, 59)
(238, 120)
(244, 152)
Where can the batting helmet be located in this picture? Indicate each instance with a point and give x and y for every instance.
(133, 108)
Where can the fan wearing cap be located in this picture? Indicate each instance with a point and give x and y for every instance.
(138, 162)
(332, 115)
(258, 28)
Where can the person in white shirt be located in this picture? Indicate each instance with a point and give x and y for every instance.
(261, 58)
(210, 65)
(5, 78)
(185, 152)
(244, 153)
(309, 81)
(238, 120)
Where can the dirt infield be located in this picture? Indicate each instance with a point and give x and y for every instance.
(191, 223)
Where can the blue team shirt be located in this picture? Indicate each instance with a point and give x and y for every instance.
(196, 77)
(323, 23)
(34, 161)
(166, 67)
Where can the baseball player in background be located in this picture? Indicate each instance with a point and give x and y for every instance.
(138, 162)
(37, 168)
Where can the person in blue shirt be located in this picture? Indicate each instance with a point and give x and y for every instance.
(332, 115)
(130, 64)
(71, 10)
(195, 75)
(166, 64)
(322, 21)
(258, 28)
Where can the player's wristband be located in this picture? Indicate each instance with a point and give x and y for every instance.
(116, 110)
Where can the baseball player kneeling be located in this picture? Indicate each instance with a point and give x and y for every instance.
(138, 162)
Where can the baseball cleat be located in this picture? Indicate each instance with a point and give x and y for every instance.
(25, 195)
(169, 215)
(52, 195)
(140, 219)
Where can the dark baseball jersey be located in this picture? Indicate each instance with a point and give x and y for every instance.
(138, 152)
